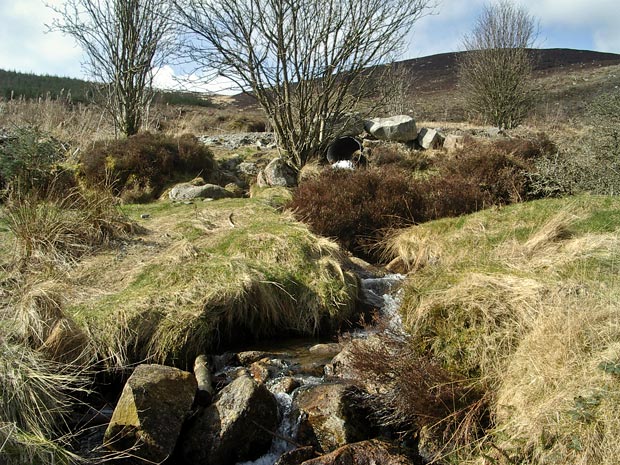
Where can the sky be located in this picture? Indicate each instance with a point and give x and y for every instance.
(579, 24)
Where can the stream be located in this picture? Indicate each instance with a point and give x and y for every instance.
(299, 362)
(381, 293)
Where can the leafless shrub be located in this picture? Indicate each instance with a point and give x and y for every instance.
(307, 62)
(495, 73)
(124, 42)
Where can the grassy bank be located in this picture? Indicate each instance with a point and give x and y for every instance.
(205, 274)
(521, 303)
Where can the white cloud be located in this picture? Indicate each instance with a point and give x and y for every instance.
(24, 45)
(169, 79)
(564, 23)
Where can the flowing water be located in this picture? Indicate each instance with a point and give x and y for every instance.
(379, 292)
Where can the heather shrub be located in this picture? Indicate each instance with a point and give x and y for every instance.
(139, 167)
(30, 160)
(499, 171)
(417, 393)
(355, 206)
(396, 154)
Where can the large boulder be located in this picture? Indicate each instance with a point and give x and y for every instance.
(236, 427)
(371, 452)
(331, 416)
(277, 174)
(343, 368)
(401, 128)
(188, 191)
(148, 417)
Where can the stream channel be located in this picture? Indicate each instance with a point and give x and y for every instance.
(306, 360)
(301, 361)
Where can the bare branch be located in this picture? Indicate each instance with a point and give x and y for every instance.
(124, 42)
(305, 61)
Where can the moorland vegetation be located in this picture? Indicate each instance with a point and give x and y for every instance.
(509, 244)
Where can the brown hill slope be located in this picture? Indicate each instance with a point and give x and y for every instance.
(567, 79)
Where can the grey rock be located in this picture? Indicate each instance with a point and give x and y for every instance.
(331, 416)
(429, 138)
(250, 356)
(235, 427)
(453, 142)
(285, 384)
(230, 164)
(248, 168)
(401, 128)
(296, 456)
(329, 348)
(234, 141)
(493, 132)
(187, 191)
(277, 174)
(341, 366)
(151, 410)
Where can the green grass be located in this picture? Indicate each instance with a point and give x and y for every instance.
(230, 269)
(522, 301)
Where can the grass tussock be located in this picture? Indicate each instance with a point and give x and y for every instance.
(521, 303)
(229, 270)
(37, 394)
(58, 230)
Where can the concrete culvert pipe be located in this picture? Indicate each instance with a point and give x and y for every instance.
(343, 148)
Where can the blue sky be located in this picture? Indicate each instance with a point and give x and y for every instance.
(579, 24)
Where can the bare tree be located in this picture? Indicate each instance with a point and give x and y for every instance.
(124, 41)
(495, 71)
(307, 62)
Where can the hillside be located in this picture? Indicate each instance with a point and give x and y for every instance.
(16, 85)
(566, 78)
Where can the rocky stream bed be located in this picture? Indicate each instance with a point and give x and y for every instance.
(286, 402)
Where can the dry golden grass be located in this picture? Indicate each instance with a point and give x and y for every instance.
(523, 302)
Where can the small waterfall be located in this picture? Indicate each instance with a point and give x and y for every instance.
(378, 292)
(289, 422)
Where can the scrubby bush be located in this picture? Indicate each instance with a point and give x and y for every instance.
(30, 161)
(139, 167)
(356, 206)
(592, 164)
